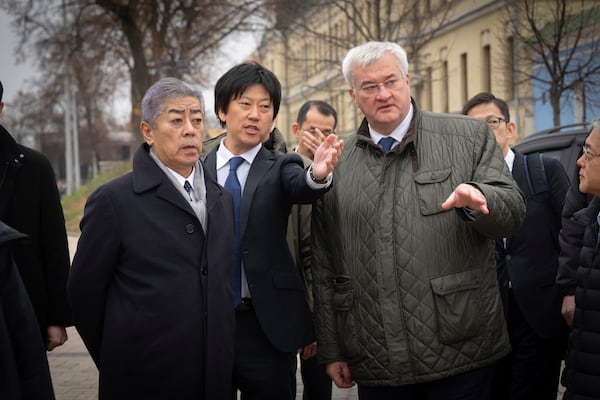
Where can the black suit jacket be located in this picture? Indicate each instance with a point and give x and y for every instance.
(274, 183)
(151, 293)
(530, 259)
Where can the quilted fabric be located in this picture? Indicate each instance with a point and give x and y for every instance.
(406, 292)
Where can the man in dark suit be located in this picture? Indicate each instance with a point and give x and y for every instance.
(527, 264)
(150, 283)
(273, 320)
(30, 203)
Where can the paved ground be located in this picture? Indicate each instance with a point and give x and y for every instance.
(75, 376)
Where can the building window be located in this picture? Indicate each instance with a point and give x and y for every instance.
(464, 78)
(445, 91)
(510, 69)
(486, 74)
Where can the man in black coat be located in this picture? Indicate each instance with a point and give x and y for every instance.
(273, 320)
(582, 363)
(24, 372)
(527, 264)
(30, 203)
(150, 284)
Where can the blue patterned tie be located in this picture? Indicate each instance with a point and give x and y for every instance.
(232, 184)
(386, 143)
(188, 189)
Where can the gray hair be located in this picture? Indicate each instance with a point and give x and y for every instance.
(370, 52)
(595, 123)
(156, 96)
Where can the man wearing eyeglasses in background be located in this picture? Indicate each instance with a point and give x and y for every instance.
(406, 296)
(527, 263)
(315, 121)
(582, 362)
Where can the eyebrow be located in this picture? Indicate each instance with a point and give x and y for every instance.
(387, 78)
(179, 111)
(246, 97)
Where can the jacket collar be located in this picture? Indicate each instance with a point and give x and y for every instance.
(9, 148)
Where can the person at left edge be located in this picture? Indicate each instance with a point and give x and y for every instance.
(30, 203)
(273, 320)
(150, 283)
(24, 372)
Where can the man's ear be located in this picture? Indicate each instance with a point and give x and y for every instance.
(351, 92)
(147, 132)
(296, 129)
(510, 129)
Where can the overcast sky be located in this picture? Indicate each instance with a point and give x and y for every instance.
(13, 76)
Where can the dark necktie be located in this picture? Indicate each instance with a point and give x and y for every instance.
(386, 143)
(188, 189)
(232, 184)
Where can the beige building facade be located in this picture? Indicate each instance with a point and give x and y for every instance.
(469, 49)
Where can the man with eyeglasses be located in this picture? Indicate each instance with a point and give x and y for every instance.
(527, 263)
(582, 362)
(315, 121)
(406, 297)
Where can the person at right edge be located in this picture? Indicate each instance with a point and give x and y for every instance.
(580, 237)
(527, 264)
(406, 297)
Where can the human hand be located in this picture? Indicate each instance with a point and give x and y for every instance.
(309, 141)
(340, 374)
(568, 309)
(326, 156)
(468, 196)
(57, 336)
(309, 351)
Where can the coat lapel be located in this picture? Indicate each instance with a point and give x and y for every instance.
(147, 175)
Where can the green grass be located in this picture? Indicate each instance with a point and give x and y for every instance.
(73, 204)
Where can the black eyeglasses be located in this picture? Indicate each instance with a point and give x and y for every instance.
(494, 122)
(588, 154)
(371, 89)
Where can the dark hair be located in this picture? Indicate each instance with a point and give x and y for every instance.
(321, 106)
(484, 98)
(232, 84)
(1, 90)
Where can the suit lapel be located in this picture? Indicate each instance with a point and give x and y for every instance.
(262, 163)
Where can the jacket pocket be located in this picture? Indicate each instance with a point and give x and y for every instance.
(433, 187)
(457, 302)
(343, 303)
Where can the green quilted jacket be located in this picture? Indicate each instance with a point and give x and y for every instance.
(406, 292)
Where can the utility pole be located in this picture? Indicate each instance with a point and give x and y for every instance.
(72, 170)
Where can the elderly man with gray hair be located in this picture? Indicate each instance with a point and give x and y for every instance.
(150, 283)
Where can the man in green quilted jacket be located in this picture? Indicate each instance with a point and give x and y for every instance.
(406, 298)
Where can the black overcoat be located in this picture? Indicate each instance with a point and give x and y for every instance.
(151, 293)
(30, 203)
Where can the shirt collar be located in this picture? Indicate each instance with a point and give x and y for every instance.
(179, 178)
(398, 133)
(510, 159)
(224, 155)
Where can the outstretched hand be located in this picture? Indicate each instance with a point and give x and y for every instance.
(326, 156)
(468, 196)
